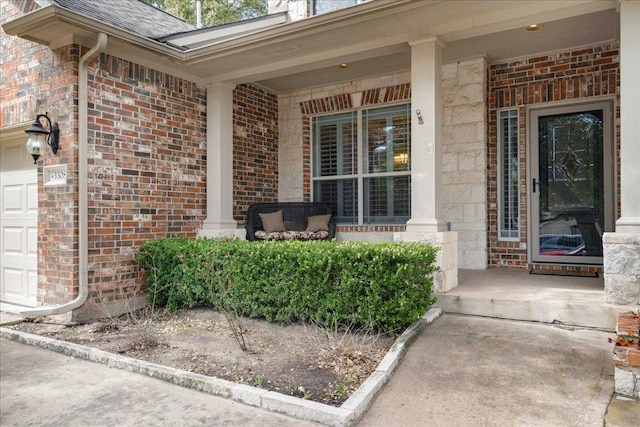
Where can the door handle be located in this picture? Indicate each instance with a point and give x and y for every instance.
(534, 185)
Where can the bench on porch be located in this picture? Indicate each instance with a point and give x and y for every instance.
(290, 220)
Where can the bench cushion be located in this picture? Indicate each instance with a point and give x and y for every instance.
(295, 217)
(286, 235)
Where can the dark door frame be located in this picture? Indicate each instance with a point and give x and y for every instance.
(533, 216)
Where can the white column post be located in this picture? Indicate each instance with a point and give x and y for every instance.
(220, 220)
(622, 248)
(426, 224)
(629, 221)
(426, 136)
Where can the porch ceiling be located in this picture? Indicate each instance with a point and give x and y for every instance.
(557, 35)
(372, 37)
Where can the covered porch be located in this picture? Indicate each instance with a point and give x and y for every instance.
(455, 66)
(509, 293)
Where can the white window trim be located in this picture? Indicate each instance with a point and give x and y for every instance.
(500, 187)
(361, 175)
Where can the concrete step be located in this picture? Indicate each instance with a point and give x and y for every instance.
(515, 294)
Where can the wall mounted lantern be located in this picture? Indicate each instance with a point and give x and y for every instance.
(38, 135)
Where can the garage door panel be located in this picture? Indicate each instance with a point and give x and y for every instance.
(13, 239)
(13, 196)
(32, 241)
(18, 223)
(14, 280)
(32, 287)
(32, 198)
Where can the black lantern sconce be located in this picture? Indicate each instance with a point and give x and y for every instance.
(38, 135)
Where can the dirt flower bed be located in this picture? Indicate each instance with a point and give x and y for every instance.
(323, 365)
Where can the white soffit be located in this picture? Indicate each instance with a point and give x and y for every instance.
(373, 37)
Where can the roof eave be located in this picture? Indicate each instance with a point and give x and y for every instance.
(304, 26)
(28, 26)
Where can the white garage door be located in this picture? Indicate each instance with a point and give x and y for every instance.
(18, 223)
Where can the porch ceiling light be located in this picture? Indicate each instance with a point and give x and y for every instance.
(343, 66)
(533, 27)
(38, 135)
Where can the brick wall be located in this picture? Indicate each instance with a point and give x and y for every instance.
(255, 148)
(579, 74)
(147, 167)
(35, 80)
(146, 160)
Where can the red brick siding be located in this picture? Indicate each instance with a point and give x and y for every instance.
(255, 148)
(36, 80)
(371, 228)
(147, 159)
(147, 167)
(578, 74)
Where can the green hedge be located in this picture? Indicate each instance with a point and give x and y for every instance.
(387, 285)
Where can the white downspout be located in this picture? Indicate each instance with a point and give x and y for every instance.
(83, 210)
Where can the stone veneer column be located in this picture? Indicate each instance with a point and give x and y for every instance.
(622, 248)
(426, 223)
(220, 220)
(464, 158)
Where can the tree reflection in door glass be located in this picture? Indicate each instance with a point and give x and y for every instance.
(571, 184)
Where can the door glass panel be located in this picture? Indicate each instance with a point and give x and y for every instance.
(570, 168)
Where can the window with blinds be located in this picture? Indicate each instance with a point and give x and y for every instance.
(508, 176)
(366, 175)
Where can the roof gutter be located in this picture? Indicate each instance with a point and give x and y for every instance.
(54, 14)
(83, 175)
(262, 37)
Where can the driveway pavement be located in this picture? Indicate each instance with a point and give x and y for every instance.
(42, 388)
(461, 371)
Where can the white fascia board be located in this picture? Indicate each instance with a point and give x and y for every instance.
(324, 22)
(214, 34)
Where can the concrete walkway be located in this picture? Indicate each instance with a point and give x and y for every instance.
(470, 371)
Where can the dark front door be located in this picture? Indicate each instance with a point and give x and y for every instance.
(571, 185)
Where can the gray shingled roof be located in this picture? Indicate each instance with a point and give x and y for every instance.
(134, 16)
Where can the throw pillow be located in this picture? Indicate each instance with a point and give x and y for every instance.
(272, 222)
(318, 223)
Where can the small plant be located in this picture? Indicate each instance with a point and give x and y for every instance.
(341, 388)
(219, 286)
(257, 381)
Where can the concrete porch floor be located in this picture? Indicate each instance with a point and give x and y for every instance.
(515, 294)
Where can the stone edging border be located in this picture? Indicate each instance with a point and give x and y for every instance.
(345, 415)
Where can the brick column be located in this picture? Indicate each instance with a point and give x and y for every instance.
(622, 248)
(220, 220)
(426, 223)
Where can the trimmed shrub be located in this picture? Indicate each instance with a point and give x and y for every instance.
(385, 285)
